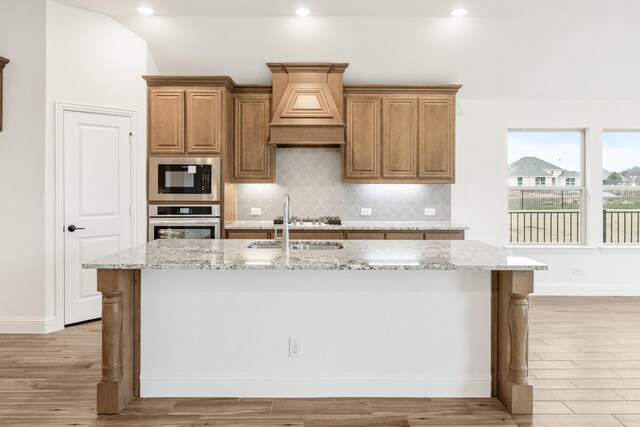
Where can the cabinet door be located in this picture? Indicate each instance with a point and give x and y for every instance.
(362, 149)
(399, 137)
(364, 235)
(403, 235)
(444, 235)
(253, 157)
(316, 235)
(204, 121)
(436, 147)
(248, 234)
(166, 121)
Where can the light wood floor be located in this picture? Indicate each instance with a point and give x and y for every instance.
(585, 364)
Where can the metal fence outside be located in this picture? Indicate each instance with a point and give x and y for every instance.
(544, 226)
(621, 226)
(554, 216)
(545, 216)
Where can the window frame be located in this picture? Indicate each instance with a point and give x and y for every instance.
(608, 188)
(582, 188)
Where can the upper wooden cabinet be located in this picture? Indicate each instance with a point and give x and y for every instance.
(400, 134)
(166, 121)
(362, 151)
(189, 115)
(436, 138)
(253, 156)
(177, 115)
(204, 121)
(399, 137)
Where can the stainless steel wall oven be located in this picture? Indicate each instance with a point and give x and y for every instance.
(184, 222)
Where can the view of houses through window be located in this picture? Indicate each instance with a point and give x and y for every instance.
(621, 187)
(553, 160)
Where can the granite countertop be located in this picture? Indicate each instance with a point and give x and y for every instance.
(354, 225)
(224, 254)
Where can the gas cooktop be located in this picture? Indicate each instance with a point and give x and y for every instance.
(321, 220)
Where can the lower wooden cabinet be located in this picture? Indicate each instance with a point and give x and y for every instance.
(315, 235)
(444, 235)
(364, 235)
(404, 235)
(349, 235)
(248, 234)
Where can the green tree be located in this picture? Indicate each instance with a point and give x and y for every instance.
(614, 178)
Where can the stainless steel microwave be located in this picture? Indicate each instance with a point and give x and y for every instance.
(184, 179)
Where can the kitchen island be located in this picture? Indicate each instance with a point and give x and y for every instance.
(377, 318)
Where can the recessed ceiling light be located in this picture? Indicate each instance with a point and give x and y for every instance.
(302, 11)
(458, 13)
(144, 10)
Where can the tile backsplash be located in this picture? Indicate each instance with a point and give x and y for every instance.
(311, 176)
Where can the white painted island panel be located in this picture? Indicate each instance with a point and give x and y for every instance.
(365, 333)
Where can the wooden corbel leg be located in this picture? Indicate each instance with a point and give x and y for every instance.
(510, 342)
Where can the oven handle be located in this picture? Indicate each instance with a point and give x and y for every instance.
(184, 221)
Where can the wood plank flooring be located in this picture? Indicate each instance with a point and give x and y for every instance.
(585, 365)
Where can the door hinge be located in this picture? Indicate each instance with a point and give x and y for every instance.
(130, 137)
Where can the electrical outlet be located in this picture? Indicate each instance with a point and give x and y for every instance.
(295, 347)
(578, 271)
(365, 211)
(429, 211)
(256, 211)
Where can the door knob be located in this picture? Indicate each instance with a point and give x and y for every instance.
(73, 228)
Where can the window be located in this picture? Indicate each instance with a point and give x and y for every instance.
(553, 160)
(621, 187)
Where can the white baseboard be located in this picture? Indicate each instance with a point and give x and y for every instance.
(588, 289)
(27, 325)
(314, 387)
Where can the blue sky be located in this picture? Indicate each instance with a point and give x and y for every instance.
(621, 150)
(559, 148)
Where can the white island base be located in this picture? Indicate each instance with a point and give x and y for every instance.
(401, 318)
(364, 333)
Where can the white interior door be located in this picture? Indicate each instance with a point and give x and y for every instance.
(97, 199)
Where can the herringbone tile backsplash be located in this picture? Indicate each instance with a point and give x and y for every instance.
(311, 176)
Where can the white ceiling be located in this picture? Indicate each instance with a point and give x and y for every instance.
(537, 49)
(433, 8)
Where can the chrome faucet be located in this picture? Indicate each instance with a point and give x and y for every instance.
(286, 217)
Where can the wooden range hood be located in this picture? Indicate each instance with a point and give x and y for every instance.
(307, 106)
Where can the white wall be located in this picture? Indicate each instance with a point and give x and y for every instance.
(543, 49)
(92, 60)
(22, 40)
(479, 197)
(57, 53)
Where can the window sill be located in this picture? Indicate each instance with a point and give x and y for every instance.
(620, 249)
(555, 249)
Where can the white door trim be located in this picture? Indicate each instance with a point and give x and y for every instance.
(61, 108)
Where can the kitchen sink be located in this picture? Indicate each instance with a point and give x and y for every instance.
(298, 245)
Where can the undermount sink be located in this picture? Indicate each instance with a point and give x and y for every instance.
(298, 245)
